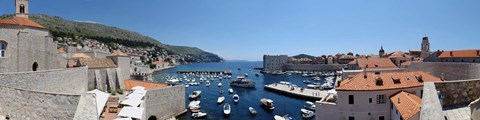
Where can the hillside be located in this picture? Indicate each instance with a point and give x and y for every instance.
(108, 35)
(303, 56)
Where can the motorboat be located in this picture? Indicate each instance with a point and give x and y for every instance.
(246, 75)
(307, 113)
(285, 117)
(199, 115)
(226, 109)
(221, 91)
(219, 84)
(242, 83)
(230, 90)
(252, 111)
(241, 77)
(309, 105)
(194, 110)
(236, 98)
(307, 81)
(220, 99)
(313, 86)
(195, 94)
(256, 74)
(194, 105)
(267, 103)
(316, 78)
(285, 83)
(173, 81)
(194, 84)
(187, 86)
(208, 84)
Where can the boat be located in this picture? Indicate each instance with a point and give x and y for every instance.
(208, 84)
(309, 105)
(173, 81)
(316, 78)
(285, 83)
(313, 86)
(220, 99)
(267, 103)
(195, 94)
(187, 86)
(246, 75)
(221, 91)
(307, 113)
(230, 90)
(226, 109)
(194, 105)
(219, 84)
(199, 115)
(194, 110)
(256, 74)
(242, 83)
(306, 81)
(241, 77)
(278, 117)
(252, 111)
(236, 98)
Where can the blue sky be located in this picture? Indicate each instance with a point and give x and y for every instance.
(247, 29)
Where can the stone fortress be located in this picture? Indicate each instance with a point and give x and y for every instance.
(40, 82)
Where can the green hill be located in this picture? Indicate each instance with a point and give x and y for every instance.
(108, 34)
(304, 56)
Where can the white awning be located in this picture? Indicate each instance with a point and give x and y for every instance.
(138, 88)
(132, 102)
(132, 112)
(101, 99)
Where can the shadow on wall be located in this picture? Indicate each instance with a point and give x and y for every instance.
(448, 70)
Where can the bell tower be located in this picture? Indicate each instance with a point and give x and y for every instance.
(425, 47)
(21, 8)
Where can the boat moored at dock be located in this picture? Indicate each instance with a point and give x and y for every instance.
(267, 104)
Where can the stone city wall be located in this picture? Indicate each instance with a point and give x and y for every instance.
(313, 67)
(72, 80)
(451, 71)
(102, 79)
(165, 102)
(21, 104)
(459, 92)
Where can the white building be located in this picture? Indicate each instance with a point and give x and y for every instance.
(274, 62)
(365, 96)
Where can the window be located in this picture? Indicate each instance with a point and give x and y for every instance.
(351, 118)
(381, 99)
(381, 118)
(22, 8)
(3, 49)
(350, 99)
(369, 100)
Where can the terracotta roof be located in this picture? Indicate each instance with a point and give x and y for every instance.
(460, 53)
(407, 104)
(159, 63)
(353, 62)
(119, 53)
(27, 22)
(97, 62)
(10, 22)
(81, 55)
(375, 63)
(398, 54)
(129, 84)
(406, 80)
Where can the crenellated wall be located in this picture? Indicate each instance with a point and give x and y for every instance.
(72, 80)
(451, 71)
(164, 102)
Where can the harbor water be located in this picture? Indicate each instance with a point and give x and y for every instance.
(249, 97)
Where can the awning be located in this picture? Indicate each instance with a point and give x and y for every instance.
(138, 88)
(101, 99)
(132, 112)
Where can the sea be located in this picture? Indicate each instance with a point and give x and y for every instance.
(249, 97)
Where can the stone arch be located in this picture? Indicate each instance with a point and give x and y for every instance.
(3, 48)
(22, 8)
(34, 66)
(152, 118)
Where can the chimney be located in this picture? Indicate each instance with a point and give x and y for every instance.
(398, 100)
(451, 53)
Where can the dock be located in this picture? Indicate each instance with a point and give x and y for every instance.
(225, 72)
(308, 94)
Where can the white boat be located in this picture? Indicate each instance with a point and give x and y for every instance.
(306, 81)
(278, 117)
(194, 104)
(241, 77)
(187, 86)
(267, 103)
(173, 81)
(195, 94)
(316, 78)
(226, 109)
(252, 111)
(208, 84)
(230, 90)
(307, 113)
(313, 86)
(236, 98)
(246, 75)
(285, 83)
(219, 84)
(220, 99)
(199, 115)
(309, 105)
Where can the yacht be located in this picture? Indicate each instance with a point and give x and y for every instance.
(199, 115)
(236, 98)
(286, 117)
(242, 83)
(219, 84)
(220, 99)
(307, 113)
(309, 105)
(230, 90)
(252, 111)
(194, 105)
(195, 94)
(267, 103)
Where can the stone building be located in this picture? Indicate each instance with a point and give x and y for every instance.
(381, 52)
(425, 48)
(375, 95)
(24, 44)
(274, 62)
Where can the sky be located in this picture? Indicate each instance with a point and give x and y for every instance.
(248, 29)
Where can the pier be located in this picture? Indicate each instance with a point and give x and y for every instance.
(308, 94)
(225, 72)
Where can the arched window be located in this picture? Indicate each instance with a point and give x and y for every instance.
(34, 66)
(3, 49)
(22, 8)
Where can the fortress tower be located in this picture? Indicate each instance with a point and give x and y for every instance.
(21, 8)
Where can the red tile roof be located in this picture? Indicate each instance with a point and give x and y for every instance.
(375, 63)
(129, 84)
(407, 104)
(22, 21)
(119, 53)
(369, 83)
(460, 54)
(10, 22)
(159, 63)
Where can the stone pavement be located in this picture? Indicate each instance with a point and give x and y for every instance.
(457, 113)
